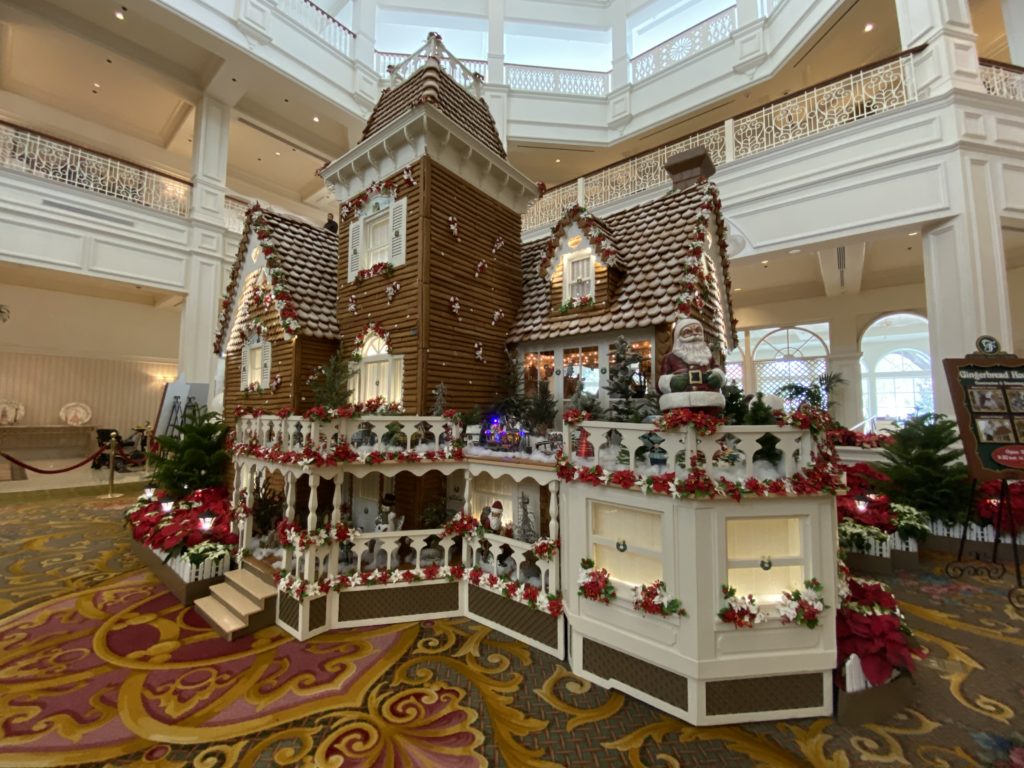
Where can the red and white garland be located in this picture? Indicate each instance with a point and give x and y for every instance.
(605, 250)
(391, 291)
(353, 305)
(453, 227)
(741, 612)
(388, 186)
(375, 328)
(803, 608)
(481, 267)
(577, 302)
(654, 600)
(455, 307)
(498, 316)
(499, 243)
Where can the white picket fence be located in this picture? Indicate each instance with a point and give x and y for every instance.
(189, 572)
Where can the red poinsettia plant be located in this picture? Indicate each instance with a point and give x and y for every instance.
(575, 416)
(704, 423)
(595, 583)
(204, 515)
(805, 607)
(741, 612)
(654, 600)
(869, 623)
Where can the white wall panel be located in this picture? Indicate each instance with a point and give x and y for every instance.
(127, 261)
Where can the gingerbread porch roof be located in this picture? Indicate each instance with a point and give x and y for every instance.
(652, 241)
(432, 85)
(302, 260)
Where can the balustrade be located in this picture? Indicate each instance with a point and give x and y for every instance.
(1003, 80)
(65, 163)
(566, 82)
(688, 43)
(315, 19)
(401, 65)
(509, 558)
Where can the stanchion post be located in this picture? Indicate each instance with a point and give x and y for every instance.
(112, 455)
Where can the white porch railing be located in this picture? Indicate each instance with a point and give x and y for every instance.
(1003, 80)
(565, 82)
(860, 95)
(37, 155)
(315, 19)
(512, 559)
(641, 448)
(234, 214)
(687, 43)
(363, 434)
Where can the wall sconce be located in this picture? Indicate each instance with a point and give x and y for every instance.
(206, 521)
(766, 562)
(621, 545)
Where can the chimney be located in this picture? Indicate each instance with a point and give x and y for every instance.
(688, 167)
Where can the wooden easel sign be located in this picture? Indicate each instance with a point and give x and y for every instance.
(988, 398)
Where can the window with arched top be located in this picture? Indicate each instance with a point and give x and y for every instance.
(379, 373)
(896, 374)
(797, 355)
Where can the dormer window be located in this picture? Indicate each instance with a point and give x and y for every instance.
(578, 272)
(377, 236)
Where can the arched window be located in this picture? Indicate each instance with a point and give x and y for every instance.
(380, 372)
(896, 367)
(789, 356)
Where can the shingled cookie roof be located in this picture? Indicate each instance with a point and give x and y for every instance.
(302, 260)
(653, 242)
(432, 85)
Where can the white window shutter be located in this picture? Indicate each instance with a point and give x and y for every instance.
(265, 371)
(355, 237)
(245, 367)
(398, 232)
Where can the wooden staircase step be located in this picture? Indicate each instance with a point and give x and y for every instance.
(217, 615)
(235, 601)
(252, 586)
(259, 568)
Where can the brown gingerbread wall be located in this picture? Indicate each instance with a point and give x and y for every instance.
(448, 341)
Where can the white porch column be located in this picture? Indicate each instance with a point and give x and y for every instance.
(1013, 22)
(204, 274)
(364, 24)
(965, 280)
(496, 42)
(620, 44)
(951, 58)
(846, 362)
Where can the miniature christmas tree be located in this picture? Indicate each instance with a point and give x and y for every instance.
(195, 459)
(628, 401)
(440, 393)
(541, 409)
(511, 403)
(736, 404)
(330, 382)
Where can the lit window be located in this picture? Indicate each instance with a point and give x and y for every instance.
(578, 275)
(255, 361)
(377, 235)
(379, 373)
(378, 243)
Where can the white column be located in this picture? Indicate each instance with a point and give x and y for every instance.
(1013, 23)
(965, 280)
(204, 270)
(620, 44)
(846, 362)
(747, 12)
(496, 42)
(364, 24)
(951, 57)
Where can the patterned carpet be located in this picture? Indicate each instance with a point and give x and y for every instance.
(100, 666)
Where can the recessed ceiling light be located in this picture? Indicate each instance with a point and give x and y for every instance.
(736, 290)
(558, 159)
(868, 27)
(278, 154)
(95, 85)
(764, 263)
(791, 250)
(316, 119)
(120, 13)
(911, 234)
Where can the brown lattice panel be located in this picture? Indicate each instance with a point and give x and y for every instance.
(529, 622)
(763, 694)
(288, 610)
(318, 612)
(374, 604)
(611, 664)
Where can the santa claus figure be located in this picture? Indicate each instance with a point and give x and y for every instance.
(689, 376)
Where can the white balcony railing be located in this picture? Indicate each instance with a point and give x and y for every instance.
(1003, 80)
(565, 82)
(315, 19)
(855, 97)
(47, 158)
(687, 43)
(234, 214)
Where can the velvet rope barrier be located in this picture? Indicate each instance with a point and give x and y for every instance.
(30, 468)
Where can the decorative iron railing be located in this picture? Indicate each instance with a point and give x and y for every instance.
(234, 214)
(857, 96)
(48, 158)
(860, 95)
(567, 82)
(1003, 80)
(315, 19)
(696, 39)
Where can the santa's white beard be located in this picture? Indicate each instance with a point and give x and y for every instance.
(693, 352)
